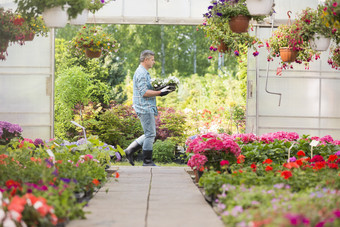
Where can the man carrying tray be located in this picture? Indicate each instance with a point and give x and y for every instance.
(144, 103)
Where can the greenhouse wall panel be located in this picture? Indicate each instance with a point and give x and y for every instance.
(26, 87)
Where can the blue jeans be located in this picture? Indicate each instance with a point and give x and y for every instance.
(149, 127)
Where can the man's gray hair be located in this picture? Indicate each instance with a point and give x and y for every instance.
(146, 54)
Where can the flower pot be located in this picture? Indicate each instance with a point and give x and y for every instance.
(239, 24)
(287, 54)
(29, 36)
(222, 48)
(259, 7)
(55, 17)
(319, 42)
(81, 18)
(198, 175)
(93, 54)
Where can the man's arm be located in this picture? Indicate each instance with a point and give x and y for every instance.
(151, 93)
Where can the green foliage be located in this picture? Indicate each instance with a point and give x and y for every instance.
(164, 151)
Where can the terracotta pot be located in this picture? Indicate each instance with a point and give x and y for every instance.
(287, 54)
(239, 24)
(29, 36)
(92, 54)
(222, 48)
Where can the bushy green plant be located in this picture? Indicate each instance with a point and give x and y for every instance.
(164, 151)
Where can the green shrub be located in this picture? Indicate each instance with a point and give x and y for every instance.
(164, 151)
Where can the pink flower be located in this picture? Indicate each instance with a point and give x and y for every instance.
(335, 4)
(210, 57)
(236, 53)
(197, 161)
(224, 162)
(256, 53)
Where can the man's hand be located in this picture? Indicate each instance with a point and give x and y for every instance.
(166, 90)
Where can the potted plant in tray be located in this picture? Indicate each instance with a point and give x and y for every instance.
(55, 12)
(93, 41)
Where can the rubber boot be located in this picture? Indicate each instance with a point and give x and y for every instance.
(130, 150)
(147, 158)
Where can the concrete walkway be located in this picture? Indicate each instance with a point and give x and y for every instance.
(149, 197)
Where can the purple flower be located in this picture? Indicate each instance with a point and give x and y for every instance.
(55, 172)
(210, 7)
(38, 142)
(219, 14)
(119, 157)
(256, 53)
(66, 180)
(236, 53)
(292, 159)
(102, 1)
(337, 153)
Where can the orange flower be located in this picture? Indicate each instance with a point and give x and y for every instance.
(240, 159)
(117, 175)
(291, 165)
(269, 168)
(267, 161)
(96, 182)
(286, 174)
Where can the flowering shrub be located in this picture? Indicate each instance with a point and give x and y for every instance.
(95, 39)
(8, 131)
(197, 162)
(216, 148)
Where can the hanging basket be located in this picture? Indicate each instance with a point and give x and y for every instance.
(55, 17)
(287, 54)
(239, 24)
(259, 7)
(29, 36)
(3, 45)
(319, 42)
(93, 54)
(81, 19)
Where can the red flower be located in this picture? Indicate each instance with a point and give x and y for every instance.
(224, 162)
(96, 182)
(253, 166)
(301, 153)
(333, 166)
(319, 165)
(332, 158)
(117, 175)
(286, 174)
(12, 183)
(269, 168)
(267, 161)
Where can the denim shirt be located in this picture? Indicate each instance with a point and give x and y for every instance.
(141, 83)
